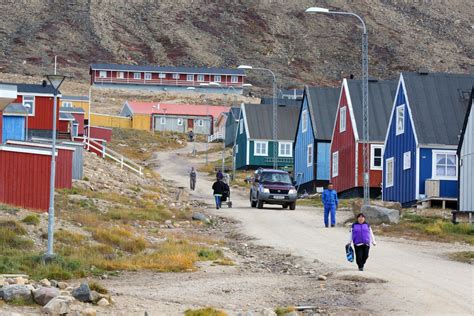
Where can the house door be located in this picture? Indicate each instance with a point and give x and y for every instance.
(13, 128)
(190, 124)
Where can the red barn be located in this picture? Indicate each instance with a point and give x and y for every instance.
(346, 146)
(77, 124)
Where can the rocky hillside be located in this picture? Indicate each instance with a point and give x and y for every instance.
(301, 48)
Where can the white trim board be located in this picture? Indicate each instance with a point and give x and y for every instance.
(26, 150)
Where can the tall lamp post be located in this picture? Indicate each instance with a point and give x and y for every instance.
(27, 110)
(365, 97)
(275, 112)
(55, 81)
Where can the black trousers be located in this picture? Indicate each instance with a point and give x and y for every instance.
(362, 253)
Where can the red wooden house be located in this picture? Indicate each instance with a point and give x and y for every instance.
(346, 145)
(71, 121)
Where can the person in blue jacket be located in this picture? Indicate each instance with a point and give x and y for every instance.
(330, 203)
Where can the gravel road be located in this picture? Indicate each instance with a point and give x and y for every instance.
(419, 278)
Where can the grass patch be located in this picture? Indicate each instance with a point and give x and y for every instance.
(99, 288)
(280, 311)
(119, 237)
(20, 301)
(224, 262)
(31, 219)
(12, 236)
(207, 311)
(68, 237)
(317, 202)
(462, 256)
(207, 254)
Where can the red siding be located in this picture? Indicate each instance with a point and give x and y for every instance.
(101, 133)
(24, 179)
(63, 126)
(1, 126)
(345, 144)
(79, 117)
(375, 175)
(43, 118)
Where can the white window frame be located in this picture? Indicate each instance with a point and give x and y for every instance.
(32, 103)
(400, 129)
(433, 170)
(200, 78)
(262, 152)
(241, 127)
(342, 119)
(304, 121)
(407, 160)
(372, 157)
(234, 79)
(217, 78)
(189, 77)
(335, 164)
(282, 146)
(102, 74)
(162, 120)
(148, 76)
(236, 148)
(120, 75)
(389, 162)
(176, 76)
(137, 75)
(162, 75)
(309, 155)
(200, 122)
(179, 121)
(66, 104)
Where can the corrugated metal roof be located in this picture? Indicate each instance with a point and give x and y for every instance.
(151, 68)
(74, 98)
(280, 101)
(323, 103)
(381, 98)
(176, 109)
(66, 116)
(15, 109)
(260, 122)
(32, 88)
(438, 102)
(71, 110)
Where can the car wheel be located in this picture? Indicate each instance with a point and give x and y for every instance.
(292, 206)
(259, 203)
(252, 202)
(285, 205)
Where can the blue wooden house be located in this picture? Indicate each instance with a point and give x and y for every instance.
(422, 137)
(254, 140)
(231, 125)
(313, 137)
(13, 127)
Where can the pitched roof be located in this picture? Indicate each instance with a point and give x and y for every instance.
(260, 123)
(71, 110)
(15, 109)
(438, 103)
(235, 111)
(176, 109)
(66, 116)
(469, 113)
(280, 101)
(75, 98)
(322, 103)
(32, 88)
(381, 97)
(193, 70)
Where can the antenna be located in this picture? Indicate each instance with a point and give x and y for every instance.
(55, 63)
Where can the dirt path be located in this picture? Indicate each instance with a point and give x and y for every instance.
(419, 280)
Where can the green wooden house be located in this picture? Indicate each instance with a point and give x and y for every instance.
(254, 140)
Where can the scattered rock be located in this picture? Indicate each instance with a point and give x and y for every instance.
(45, 282)
(322, 277)
(95, 297)
(200, 217)
(43, 295)
(82, 293)
(378, 214)
(15, 292)
(293, 313)
(89, 311)
(20, 280)
(268, 312)
(103, 302)
(58, 305)
(63, 285)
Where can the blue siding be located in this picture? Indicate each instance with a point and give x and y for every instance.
(404, 184)
(447, 188)
(323, 160)
(13, 128)
(302, 173)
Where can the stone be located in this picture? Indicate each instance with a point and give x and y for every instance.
(45, 282)
(200, 217)
(103, 302)
(378, 214)
(293, 313)
(322, 277)
(58, 305)
(82, 293)
(54, 283)
(63, 285)
(268, 312)
(15, 292)
(95, 297)
(89, 311)
(20, 280)
(43, 295)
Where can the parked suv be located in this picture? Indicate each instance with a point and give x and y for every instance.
(270, 186)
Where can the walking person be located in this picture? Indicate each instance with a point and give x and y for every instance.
(362, 237)
(219, 187)
(219, 175)
(330, 202)
(192, 179)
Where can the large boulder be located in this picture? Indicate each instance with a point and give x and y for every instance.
(200, 217)
(82, 293)
(43, 295)
(15, 292)
(380, 215)
(58, 305)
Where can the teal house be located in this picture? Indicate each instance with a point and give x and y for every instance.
(254, 137)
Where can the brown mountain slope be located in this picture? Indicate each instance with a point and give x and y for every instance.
(300, 48)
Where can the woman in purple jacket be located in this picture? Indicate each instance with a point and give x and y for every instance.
(361, 236)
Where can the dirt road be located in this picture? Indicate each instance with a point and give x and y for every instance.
(419, 279)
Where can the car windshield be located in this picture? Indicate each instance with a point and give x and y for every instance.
(274, 177)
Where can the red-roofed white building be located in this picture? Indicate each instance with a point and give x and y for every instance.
(176, 117)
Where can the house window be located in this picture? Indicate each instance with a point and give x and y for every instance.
(29, 104)
(237, 148)
(180, 122)
(162, 75)
(66, 104)
(407, 160)
(176, 76)
(309, 155)
(400, 117)
(444, 165)
(200, 123)
(147, 75)
(376, 153)
(241, 126)
(102, 74)
(163, 120)
(200, 78)
(137, 75)
(335, 164)
(261, 148)
(189, 77)
(217, 78)
(304, 121)
(285, 149)
(342, 119)
(120, 75)
(389, 172)
(234, 79)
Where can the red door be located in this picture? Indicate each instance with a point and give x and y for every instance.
(190, 124)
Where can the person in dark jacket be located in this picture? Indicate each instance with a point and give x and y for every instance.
(192, 179)
(219, 188)
(330, 202)
(362, 237)
(219, 175)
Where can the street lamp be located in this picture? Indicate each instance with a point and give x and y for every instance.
(55, 81)
(275, 112)
(27, 110)
(365, 97)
